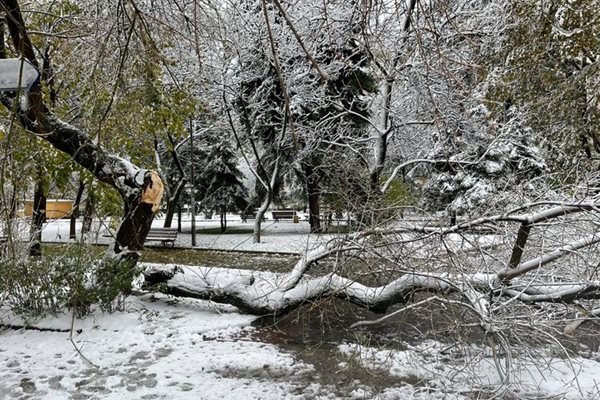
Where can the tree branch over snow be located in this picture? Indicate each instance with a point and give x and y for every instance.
(260, 296)
(538, 262)
(266, 293)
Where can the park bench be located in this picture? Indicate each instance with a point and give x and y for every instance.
(283, 214)
(166, 236)
(250, 215)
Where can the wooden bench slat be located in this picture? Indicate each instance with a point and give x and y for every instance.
(283, 214)
(164, 235)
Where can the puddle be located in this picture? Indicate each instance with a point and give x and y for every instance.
(312, 334)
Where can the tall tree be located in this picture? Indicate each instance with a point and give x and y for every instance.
(140, 189)
(224, 189)
(555, 76)
(316, 73)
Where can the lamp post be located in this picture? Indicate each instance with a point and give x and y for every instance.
(17, 75)
(192, 184)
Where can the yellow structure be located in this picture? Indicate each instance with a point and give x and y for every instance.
(55, 208)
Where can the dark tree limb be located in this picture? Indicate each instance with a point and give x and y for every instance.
(519, 246)
(141, 190)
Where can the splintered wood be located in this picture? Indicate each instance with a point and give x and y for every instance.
(153, 190)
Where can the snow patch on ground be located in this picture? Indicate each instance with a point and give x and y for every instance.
(156, 349)
(448, 370)
(283, 236)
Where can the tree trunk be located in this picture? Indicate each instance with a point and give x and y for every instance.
(179, 218)
(38, 217)
(88, 212)
(381, 142)
(75, 211)
(117, 270)
(132, 231)
(172, 203)
(266, 202)
(260, 215)
(314, 210)
(13, 203)
(171, 206)
(223, 219)
(313, 192)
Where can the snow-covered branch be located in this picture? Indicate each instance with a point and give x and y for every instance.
(258, 294)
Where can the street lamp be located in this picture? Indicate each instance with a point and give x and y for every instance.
(17, 73)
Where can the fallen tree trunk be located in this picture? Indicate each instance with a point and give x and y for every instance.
(261, 295)
(483, 293)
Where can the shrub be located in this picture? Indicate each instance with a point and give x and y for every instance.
(36, 287)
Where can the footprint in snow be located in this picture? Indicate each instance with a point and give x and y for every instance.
(27, 385)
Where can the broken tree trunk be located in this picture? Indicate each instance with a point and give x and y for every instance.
(140, 189)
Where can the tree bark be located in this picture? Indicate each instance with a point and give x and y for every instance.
(38, 216)
(75, 211)
(13, 203)
(179, 218)
(260, 213)
(266, 202)
(172, 202)
(314, 210)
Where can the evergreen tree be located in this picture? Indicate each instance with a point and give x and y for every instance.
(497, 166)
(320, 97)
(222, 182)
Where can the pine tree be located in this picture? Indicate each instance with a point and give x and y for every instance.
(222, 182)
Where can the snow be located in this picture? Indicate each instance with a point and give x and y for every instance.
(278, 237)
(159, 348)
(154, 348)
(444, 368)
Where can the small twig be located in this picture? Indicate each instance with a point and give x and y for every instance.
(84, 358)
(414, 305)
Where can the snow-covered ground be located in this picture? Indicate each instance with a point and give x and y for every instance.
(465, 368)
(153, 350)
(162, 348)
(283, 236)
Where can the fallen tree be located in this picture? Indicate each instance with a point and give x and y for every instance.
(485, 291)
